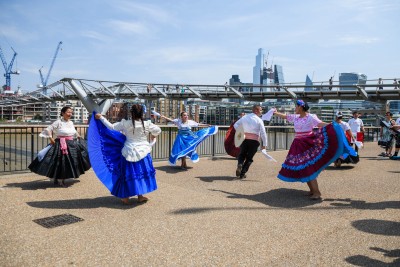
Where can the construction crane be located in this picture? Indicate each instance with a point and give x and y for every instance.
(44, 81)
(8, 68)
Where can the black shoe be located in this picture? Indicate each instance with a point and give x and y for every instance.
(239, 170)
(242, 176)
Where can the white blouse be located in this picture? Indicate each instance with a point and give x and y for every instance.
(136, 146)
(58, 128)
(187, 125)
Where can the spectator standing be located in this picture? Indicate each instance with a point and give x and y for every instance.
(380, 82)
(356, 126)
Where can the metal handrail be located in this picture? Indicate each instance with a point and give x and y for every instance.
(19, 145)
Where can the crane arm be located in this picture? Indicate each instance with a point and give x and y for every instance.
(12, 61)
(3, 59)
(51, 66)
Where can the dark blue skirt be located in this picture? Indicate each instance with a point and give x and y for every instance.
(121, 177)
(57, 165)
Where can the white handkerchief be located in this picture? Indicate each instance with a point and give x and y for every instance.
(267, 116)
(359, 144)
(153, 142)
(156, 113)
(267, 155)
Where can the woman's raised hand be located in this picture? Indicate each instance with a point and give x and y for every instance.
(98, 116)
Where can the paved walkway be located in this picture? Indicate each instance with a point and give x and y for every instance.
(203, 217)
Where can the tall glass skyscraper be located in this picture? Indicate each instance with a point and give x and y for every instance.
(351, 78)
(258, 68)
(278, 75)
(309, 84)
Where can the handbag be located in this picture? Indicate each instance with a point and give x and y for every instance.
(382, 143)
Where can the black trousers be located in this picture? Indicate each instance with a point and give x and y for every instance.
(247, 151)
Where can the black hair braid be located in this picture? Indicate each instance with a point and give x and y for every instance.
(137, 113)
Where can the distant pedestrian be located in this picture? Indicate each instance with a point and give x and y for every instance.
(386, 134)
(254, 130)
(380, 82)
(357, 128)
(349, 137)
(66, 156)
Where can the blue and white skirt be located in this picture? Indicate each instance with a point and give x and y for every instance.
(121, 177)
(186, 143)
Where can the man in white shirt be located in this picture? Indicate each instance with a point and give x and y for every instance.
(356, 126)
(254, 129)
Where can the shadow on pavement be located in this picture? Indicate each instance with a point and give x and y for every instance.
(341, 168)
(363, 205)
(85, 203)
(378, 227)
(41, 184)
(171, 169)
(281, 198)
(210, 179)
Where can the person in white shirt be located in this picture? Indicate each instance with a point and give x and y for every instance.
(356, 126)
(254, 129)
(349, 136)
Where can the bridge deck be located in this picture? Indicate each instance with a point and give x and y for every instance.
(203, 217)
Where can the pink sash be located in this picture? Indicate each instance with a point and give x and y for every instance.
(302, 134)
(63, 143)
(251, 136)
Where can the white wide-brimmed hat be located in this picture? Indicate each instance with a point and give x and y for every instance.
(239, 136)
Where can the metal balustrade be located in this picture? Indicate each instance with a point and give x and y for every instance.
(19, 145)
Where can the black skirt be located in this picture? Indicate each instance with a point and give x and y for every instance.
(59, 166)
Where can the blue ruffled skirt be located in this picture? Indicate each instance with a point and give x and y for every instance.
(186, 143)
(121, 177)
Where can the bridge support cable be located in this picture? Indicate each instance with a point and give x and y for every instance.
(236, 92)
(159, 91)
(194, 92)
(290, 93)
(88, 102)
(363, 93)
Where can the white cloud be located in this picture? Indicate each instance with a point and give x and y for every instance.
(356, 40)
(126, 27)
(95, 35)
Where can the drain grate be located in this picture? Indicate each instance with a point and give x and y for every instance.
(58, 220)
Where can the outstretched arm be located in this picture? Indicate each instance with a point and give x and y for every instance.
(281, 115)
(166, 118)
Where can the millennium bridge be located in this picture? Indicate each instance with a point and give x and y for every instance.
(99, 95)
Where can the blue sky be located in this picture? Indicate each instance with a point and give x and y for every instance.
(199, 42)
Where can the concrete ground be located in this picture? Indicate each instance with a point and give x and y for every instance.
(203, 217)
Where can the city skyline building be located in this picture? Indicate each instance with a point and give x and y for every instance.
(351, 78)
(259, 66)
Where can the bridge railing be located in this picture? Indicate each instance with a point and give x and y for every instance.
(19, 145)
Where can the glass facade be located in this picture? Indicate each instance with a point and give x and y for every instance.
(258, 69)
(278, 75)
(351, 78)
(309, 84)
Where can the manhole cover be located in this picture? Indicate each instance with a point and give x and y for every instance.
(58, 220)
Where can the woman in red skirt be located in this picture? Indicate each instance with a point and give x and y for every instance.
(311, 151)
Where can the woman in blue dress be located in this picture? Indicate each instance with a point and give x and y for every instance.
(187, 141)
(120, 154)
